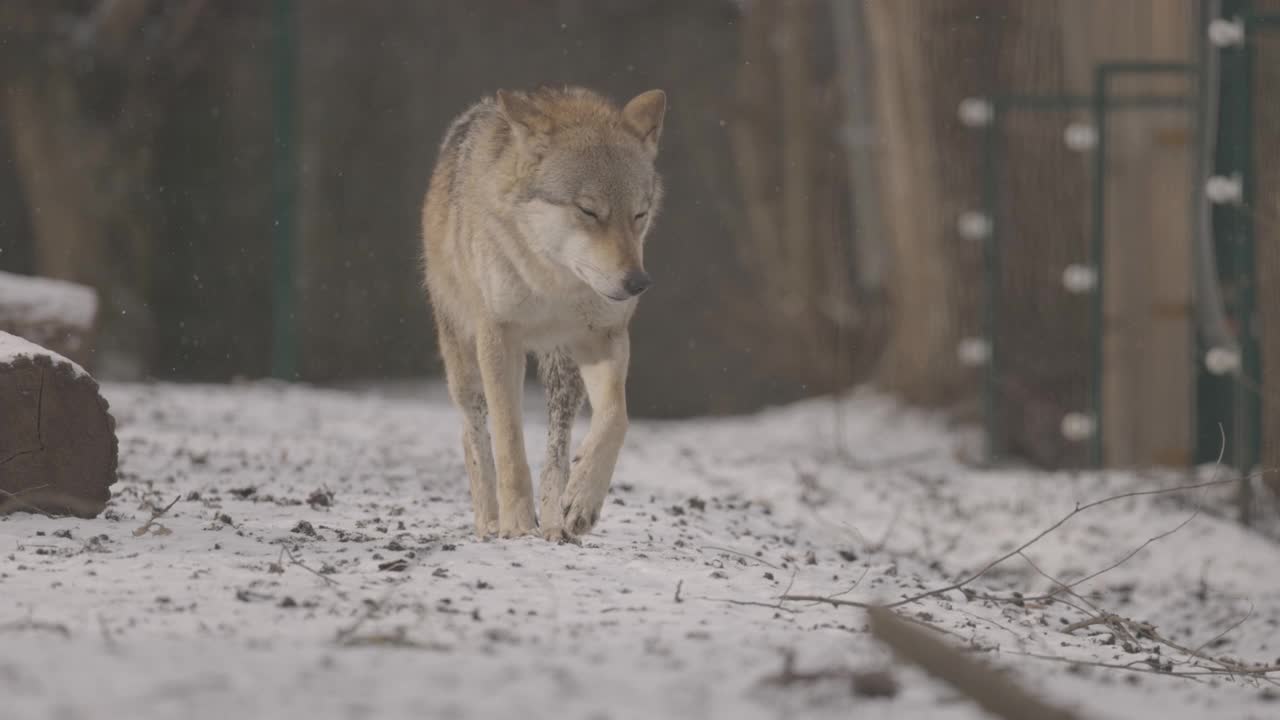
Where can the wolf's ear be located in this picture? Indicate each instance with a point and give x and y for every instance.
(644, 116)
(526, 120)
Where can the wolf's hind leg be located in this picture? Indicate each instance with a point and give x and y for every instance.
(565, 394)
(467, 390)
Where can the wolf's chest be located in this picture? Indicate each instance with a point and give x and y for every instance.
(549, 322)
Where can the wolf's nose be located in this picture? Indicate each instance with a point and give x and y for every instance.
(636, 282)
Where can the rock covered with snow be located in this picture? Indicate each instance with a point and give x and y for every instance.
(54, 314)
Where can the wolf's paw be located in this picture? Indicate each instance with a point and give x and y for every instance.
(557, 534)
(517, 522)
(486, 528)
(581, 509)
(549, 514)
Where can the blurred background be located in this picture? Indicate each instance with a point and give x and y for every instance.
(1053, 218)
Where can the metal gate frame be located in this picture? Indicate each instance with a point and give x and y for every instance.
(1232, 222)
(988, 114)
(1235, 236)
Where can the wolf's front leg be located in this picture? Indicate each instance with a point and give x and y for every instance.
(603, 365)
(502, 368)
(467, 390)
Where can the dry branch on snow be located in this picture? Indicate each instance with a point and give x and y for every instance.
(1001, 696)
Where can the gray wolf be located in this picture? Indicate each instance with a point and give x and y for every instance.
(534, 228)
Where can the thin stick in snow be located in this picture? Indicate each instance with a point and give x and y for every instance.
(156, 514)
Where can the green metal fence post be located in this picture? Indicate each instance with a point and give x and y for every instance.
(991, 265)
(284, 187)
(1199, 170)
(1246, 262)
(990, 170)
(1097, 255)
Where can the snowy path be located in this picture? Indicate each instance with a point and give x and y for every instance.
(407, 615)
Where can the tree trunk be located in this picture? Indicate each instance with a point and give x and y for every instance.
(924, 66)
(84, 92)
(57, 158)
(90, 227)
(784, 146)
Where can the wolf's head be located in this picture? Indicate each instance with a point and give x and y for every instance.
(586, 184)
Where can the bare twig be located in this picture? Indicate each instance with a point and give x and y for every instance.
(978, 618)
(284, 551)
(1132, 631)
(1075, 583)
(790, 583)
(1129, 631)
(1136, 667)
(1229, 666)
(740, 554)
(1224, 633)
(1079, 509)
(1021, 548)
(1061, 585)
(156, 514)
(828, 599)
(734, 601)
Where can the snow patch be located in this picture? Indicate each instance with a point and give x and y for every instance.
(35, 301)
(13, 347)
(319, 563)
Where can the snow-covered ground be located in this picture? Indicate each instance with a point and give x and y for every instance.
(319, 563)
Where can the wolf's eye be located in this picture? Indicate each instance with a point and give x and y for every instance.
(641, 215)
(589, 213)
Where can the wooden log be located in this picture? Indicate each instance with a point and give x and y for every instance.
(54, 314)
(999, 694)
(58, 447)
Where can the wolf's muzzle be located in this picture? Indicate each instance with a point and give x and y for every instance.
(636, 282)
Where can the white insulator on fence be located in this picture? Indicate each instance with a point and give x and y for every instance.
(1226, 33)
(1078, 426)
(976, 112)
(1079, 279)
(974, 225)
(974, 352)
(1221, 361)
(1080, 136)
(1224, 190)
